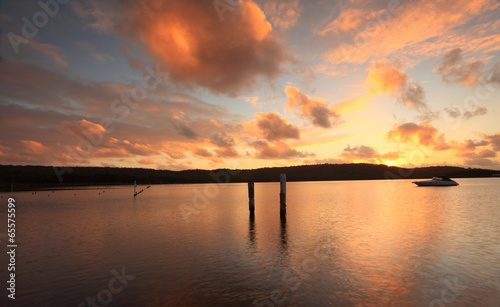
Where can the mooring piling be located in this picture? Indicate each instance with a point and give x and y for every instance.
(282, 193)
(135, 188)
(251, 197)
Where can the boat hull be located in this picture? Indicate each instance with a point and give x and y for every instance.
(434, 183)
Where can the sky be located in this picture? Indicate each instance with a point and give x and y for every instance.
(205, 84)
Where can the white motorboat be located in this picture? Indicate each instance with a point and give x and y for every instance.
(440, 181)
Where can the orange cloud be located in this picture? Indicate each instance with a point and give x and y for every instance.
(315, 109)
(424, 134)
(404, 26)
(385, 78)
(278, 150)
(363, 152)
(254, 101)
(479, 153)
(147, 161)
(272, 127)
(34, 148)
(81, 127)
(348, 19)
(202, 152)
(133, 149)
(216, 123)
(222, 56)
(227, 152)
(3, 150)
(366, 154)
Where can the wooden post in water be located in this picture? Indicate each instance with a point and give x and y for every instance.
(251, 197)
(135, 188)
(283, 194)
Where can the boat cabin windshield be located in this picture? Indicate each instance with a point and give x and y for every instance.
(441, 178)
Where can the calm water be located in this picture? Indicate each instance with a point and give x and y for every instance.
(345, 243)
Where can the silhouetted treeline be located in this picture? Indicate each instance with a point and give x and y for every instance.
(38, 177)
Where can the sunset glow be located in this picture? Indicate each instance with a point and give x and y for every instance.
(247, 84)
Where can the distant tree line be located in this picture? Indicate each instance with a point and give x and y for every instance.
(39, 177)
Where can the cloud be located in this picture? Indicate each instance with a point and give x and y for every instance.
(147, 161)
(62, 112)
(34, 148)
(272, 127)
(423, 134)
(494, 74)
(481, 38)
(480, 153)
(175, 155)
(484, 153)
(185, 130)
(494, 141)
(81, 128)
(97, 14)
(222, 56)
(123, 148)
(25, 152)
(226, 145)
(481, 162)
(134, 63)
(453, 70)
(227, 152)
(202, 152)
(316, 110)
(51, 52)
(324, 161)
(348, 19)
(221, 140)
(283, 14)
(366, 154)
(412, 95)
(36, 87)
(476, 110)
(278, 150)
(384, 78)
(471, 145)
(405, 26)
(254, 101)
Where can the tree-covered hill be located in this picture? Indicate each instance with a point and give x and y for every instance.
(37, 177)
